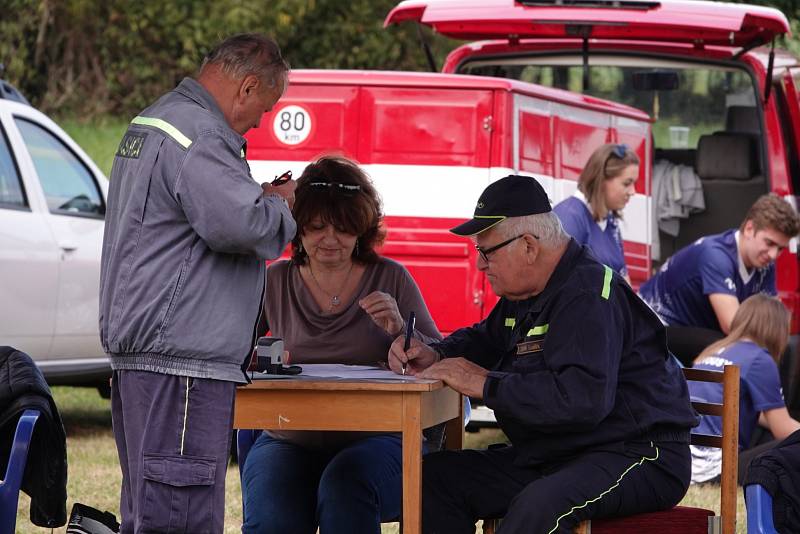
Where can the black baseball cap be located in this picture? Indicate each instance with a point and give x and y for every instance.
(512, 196)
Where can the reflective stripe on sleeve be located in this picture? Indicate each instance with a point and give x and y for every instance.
(165, 127)
(607, 282)
(510, 322)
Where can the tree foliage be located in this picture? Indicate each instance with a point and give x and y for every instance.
(116, 56)
(98, 56)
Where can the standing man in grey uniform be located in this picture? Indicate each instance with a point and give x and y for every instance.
(187, 232)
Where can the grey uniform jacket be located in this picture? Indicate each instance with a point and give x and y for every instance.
(187, 232)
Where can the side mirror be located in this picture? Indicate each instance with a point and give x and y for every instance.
(655, 80)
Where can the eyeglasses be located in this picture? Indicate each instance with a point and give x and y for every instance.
(484, 252)
(345, 189)
(282, 179)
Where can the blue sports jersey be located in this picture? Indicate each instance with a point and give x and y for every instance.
(679, 290)
(760, 388)
(606, 245)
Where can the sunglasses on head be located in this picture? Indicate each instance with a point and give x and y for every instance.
(619, 151)
(344, 189)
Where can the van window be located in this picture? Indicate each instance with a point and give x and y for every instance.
(698, 105)
(69, 187)
(11, 192)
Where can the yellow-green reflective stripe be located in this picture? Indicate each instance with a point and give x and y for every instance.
(511, 322)
(614, 486)
(606, 283)
(539, 330)
(165, 127)
(242, 154)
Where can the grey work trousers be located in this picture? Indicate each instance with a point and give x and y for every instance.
(173, 436)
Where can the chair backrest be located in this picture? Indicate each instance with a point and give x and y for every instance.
(742, 119)
(728, 441)
(759, 510)
(18, 457)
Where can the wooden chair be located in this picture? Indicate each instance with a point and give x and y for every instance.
(683, 519)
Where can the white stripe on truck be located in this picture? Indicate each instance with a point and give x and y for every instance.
(451, 191)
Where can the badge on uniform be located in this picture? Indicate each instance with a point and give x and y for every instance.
(529, 347)
(534, 341)
(131, 145)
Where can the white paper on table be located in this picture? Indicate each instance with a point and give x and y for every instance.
(362, 372)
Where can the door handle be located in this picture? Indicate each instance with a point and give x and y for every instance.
(68, 246)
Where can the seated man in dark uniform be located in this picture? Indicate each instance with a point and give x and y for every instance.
(576, 369)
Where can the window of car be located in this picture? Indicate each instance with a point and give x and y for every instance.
(12, 194)
(69, 187)
(697, 104)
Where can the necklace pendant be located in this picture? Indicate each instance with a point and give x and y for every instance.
(335, 301)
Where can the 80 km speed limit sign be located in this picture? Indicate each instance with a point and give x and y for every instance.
(292, 125)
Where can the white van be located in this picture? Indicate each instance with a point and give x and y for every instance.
(52, 207)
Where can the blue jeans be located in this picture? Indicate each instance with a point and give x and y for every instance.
(290, 489)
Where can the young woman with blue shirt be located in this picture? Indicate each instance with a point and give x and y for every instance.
(592, 214)
(759, 335)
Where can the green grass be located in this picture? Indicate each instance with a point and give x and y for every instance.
(98, 138)
(95, 477)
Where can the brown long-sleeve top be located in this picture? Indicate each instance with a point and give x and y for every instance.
(347, 336)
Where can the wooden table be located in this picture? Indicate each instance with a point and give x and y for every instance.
(386, 406)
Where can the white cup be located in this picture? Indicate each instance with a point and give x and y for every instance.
(679, 136)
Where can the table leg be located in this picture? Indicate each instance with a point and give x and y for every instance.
(412, 463)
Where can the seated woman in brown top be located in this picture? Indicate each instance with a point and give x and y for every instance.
(335, 301)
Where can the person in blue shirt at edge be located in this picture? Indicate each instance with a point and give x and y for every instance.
(759, 334)
(592, 215)
(698, 290)
(576, 369)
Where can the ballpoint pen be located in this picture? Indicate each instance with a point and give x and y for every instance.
(409, 333)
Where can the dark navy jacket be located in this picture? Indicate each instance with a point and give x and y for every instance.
(776, 470)
(581, 366)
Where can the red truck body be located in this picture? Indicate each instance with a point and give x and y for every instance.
(432, 143)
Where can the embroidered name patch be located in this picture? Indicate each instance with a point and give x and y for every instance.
(529, 347)
(131, 145)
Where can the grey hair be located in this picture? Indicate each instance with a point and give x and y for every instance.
(546, 226)
(247, 54)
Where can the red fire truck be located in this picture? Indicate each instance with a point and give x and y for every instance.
(432, 143)
(694, 83)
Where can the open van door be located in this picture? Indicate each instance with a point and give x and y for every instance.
(697, 22)
(790, 106)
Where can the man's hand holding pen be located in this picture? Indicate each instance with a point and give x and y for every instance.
(418, 356)
(421, 361)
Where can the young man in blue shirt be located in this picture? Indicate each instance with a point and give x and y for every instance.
(701, 285)
(576, 369)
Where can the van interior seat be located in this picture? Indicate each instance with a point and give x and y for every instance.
(742, 119)
(728, 166)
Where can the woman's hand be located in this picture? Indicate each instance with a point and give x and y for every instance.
(382, 308)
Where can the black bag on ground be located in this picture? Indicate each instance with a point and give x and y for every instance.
(87, 520)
